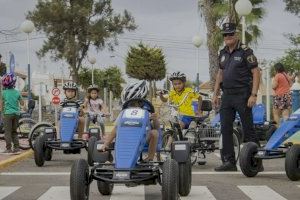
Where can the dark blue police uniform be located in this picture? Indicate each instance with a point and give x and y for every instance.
(237, 87)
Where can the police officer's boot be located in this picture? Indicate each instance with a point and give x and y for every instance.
(226, 166)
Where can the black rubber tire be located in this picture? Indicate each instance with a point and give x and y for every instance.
(48, 154)
(105, 188)
(185, 178)
(292, 163)
(91, 145)
(170, 180)
(39, 150)
(270, 132)
(79, 180)
(249, 165)
(36, 131)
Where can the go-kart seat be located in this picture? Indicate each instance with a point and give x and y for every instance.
(205, 107)
(259, 112)
(147, 105)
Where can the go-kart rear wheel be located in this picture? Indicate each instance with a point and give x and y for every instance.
(185, 178)
(292, 163)
(170, 181)
(79, 180)
(39, 150)
(91, 145)
(248, 163)
(48, 154)
(105, 188)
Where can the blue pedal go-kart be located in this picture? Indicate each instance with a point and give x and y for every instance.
(128, 167)
(46, 142)
(251, 155)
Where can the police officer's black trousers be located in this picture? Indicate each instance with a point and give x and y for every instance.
(232, 103)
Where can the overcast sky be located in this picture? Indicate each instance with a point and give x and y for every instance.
(170, 24)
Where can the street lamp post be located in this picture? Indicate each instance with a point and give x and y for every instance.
(197, 41)
(92, 60)
(243, 8)
(27, 27)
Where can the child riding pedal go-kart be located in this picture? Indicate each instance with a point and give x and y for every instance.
(71, 123)
(136, 132)
(95, 110)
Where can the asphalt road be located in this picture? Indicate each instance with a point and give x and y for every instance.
(26, 181)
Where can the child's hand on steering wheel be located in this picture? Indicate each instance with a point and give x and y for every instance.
(104, 147)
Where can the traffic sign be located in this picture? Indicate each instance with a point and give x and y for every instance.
(55, 91)
(55, 100)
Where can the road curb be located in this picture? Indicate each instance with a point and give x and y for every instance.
(16, 158)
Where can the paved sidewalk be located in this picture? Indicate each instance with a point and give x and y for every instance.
(8, 159)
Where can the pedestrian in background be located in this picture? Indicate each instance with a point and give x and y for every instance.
(2, 71)
(240, 76)
(281, 84)
(10, 104)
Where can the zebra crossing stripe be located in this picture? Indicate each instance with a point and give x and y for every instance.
(57, 193)
(5, 191)
(199, 192)
(261, 192)
(128, 193)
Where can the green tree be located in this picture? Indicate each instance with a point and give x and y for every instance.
(73, 26)
(293, 6)
(146, 63)
(215, 13)
(291, 59)
(110, 77)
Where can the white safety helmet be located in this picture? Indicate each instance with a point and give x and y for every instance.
(135, 90)
(70, 85)
(178, 76)
(93, 87)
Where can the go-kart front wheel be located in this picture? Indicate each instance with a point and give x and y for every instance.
(248, 163)
(292, 163)
(185, 178)
(170, 180)
(37, 130)
(79, 180)
(91, 145)
(105, 188)
(39, 150)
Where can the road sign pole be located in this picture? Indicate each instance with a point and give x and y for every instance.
(55, 108)
(40, 103)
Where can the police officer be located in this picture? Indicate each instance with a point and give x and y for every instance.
(239, 76)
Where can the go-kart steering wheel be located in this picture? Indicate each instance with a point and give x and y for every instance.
(70, 104)
(147, 105)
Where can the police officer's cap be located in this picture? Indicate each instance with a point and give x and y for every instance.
(228, 28)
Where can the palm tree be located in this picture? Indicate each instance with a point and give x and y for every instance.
(215, 13)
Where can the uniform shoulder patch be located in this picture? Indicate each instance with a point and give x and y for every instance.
(244, 47)
(251, 59)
